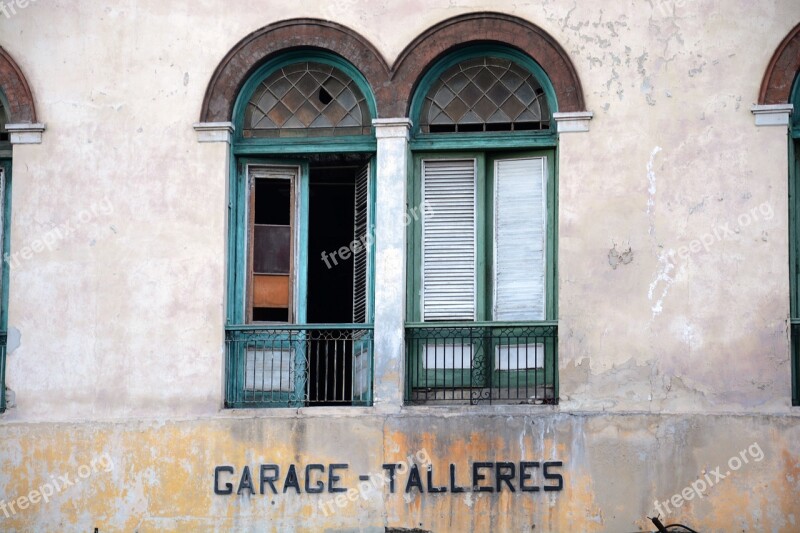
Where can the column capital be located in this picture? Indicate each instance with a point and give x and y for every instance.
(772, 115)
(25, 133)
(573, 122)
(392, 128)
(214, 132)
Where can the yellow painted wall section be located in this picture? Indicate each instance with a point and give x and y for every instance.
(159, 476)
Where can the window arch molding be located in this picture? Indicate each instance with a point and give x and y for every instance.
(20, 107)
(275, 41)
(308, 142)
(488, 29)
(440, 67)
(779, 78)
(393, 86)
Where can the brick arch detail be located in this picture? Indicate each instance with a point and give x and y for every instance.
(394, 86)
(485, 28)
(776, 87)
(270, 41)
(21, 108)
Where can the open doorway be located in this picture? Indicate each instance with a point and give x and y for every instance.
(309, 244)
(336, 275)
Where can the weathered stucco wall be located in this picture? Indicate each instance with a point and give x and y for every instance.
(673, 281)
(160, 476)
(122, 317)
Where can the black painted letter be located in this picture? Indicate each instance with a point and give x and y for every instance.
(523, 475)
(507, 477)
(246, 482)
(271, 479)
(414, 480)
(548, 475)
(333, 478)
(228, 486)
(431, 488)
(477, 477)
(320, 486)
(291, 480)
(453, 487)
(390, 467)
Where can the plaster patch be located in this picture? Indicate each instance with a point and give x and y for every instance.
(616, 258)
(651, 189)
(663, 275)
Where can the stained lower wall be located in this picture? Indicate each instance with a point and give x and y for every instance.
(160, 475)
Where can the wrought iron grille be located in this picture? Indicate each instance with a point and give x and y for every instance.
(297, 366)
(478, 363)
(307, 99)
(485, 94)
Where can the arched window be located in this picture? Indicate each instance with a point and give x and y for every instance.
(484, 254)
(300, 245)
(794, 237)
(3, 122)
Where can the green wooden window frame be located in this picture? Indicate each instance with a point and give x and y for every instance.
(485, 148)
(484, 260)
(242, 146)
(794, 240)
(292, 152)
(482, 141)
(284, 152)
(5, 164)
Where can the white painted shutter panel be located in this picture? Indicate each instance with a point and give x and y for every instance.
(448, 237)
(360, 266)
(519, 239)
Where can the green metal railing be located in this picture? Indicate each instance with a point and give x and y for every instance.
(795, 325)
(298, 366)
(482, 362)
(3, 343)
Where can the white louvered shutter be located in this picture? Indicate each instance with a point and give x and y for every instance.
(448, 237)
(360, 255)
(519, 239)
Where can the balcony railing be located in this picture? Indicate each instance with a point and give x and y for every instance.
(795, 325)
(297, 366)
(485, 362)
(3, 343)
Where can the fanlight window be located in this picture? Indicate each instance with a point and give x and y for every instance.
(307, 99)
(485, 94)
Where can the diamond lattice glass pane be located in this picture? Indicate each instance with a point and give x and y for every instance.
(456, 110)
(513, 107)
(307, 99)
(485, 91)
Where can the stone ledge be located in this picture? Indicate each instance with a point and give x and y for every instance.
(772, 115)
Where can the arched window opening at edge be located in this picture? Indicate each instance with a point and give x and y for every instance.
(485, 94)
(4, 138)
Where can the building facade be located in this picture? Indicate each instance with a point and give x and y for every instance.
(429, 266)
